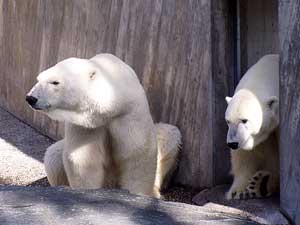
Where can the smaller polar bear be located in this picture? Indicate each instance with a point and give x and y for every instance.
(252, 118)
(110, 138)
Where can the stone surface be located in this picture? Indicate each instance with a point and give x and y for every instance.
(48, 205)
(264, 211)
(21, 151)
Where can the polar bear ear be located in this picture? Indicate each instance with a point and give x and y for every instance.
(228, 99)
(92, 75)
(272, 103)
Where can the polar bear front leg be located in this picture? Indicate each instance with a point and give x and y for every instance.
(138, 177)
(54, 165)
(243, 166)
(86, 157)
(84, 168)
(239, 186)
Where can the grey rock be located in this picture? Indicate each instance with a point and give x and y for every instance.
(264, 211)
(59, 205)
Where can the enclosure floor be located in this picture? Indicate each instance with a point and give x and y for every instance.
(21, 163)
(265, 211)
(21, 151)
(58, 205)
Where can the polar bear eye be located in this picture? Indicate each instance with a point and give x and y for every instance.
(92, 75)
(55, 83)
(244, 121)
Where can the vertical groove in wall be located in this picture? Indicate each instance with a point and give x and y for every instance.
(222, 81)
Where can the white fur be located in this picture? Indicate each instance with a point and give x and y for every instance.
(252, 117)
(54, 164)
(109, 129)
(169, 143)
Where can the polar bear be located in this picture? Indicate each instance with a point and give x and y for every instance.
(252, 117)
(110, 138)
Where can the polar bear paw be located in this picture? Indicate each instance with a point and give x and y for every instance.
(256, 188)
(258, 184)
(238, 195)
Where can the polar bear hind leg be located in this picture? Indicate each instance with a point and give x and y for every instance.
(54, 165)
(169, 144)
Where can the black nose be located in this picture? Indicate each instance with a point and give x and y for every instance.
(31, 100)
(233, 145)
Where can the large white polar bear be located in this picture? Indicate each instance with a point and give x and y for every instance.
(110, 138)
(252, 117)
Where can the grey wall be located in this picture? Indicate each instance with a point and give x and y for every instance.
(289, 30)
(259, 30)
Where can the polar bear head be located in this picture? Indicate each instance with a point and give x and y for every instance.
(86, 92)
(250, 120)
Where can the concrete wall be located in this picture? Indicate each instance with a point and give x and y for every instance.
(258, 31)
(289, 30)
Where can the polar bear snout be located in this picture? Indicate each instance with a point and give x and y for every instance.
(36, 103)
(233, 145)
(31, 100)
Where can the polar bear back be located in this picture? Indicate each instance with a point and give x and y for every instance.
(115, 67)
(122, 77)
(262, 79)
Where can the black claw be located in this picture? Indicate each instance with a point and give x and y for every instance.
(233, 194)
(247, 195)
(251, 187)
(255, 178)
(253, 183)
(241, 196)
(264, 186)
